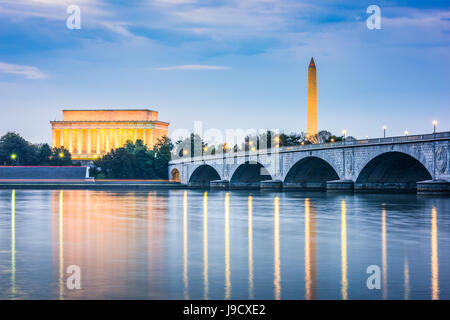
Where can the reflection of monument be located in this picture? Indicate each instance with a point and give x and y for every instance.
(88, 134)
(311, 126)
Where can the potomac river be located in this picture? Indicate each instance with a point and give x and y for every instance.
(192, 244)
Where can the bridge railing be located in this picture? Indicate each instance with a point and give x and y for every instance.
(346, 143)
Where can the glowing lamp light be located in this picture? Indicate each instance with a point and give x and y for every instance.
(302, 143)
(277, 139)
(406, 132)
(61, 155)
(253, 149)
(14, 156)
(434, 123)
(332, 139)
(185, 152)
(250, 142)
(205, 148)
(344, 132)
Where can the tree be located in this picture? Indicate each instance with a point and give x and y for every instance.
(117, 164)
(293, 139)
(44, 154)
(135, 161)
(15, 150)
(60, 157)
(163, 149)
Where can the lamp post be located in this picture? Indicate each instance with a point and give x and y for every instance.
(13, 157)
(344, 132)
(434, 126)
(406, 132)
(384, 131)
(277, 140)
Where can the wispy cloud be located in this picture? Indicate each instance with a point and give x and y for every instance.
(27, 72)
(193, 67)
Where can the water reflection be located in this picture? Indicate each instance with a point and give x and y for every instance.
(384, 250)
(250, 247)
(434, 256)
(13, 243)
(406, 278)
(205, 244)
(277, 275)
(344, 283)
(61, 245)
(185, 245)
(227, 247)
(310, 251)
(107, 234)
(171, 245)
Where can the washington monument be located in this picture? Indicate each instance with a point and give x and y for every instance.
(311, 126)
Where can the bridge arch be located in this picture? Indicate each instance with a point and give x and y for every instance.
(249, 175)
(310, 173)
(392, 170)
(202, 176)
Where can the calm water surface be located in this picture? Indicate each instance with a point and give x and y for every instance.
(180, 244)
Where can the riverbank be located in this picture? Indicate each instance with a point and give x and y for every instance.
(91, 184)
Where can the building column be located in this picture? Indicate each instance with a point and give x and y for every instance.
(61, 137)
(116, 136)
(98, 141)
(107, 135)
(79, 141)
(71, 141)
(88, 147)
(135, 137)
(149, 138)
(54, 138)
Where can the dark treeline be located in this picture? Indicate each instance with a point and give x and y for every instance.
(135, 161)
(16, 151)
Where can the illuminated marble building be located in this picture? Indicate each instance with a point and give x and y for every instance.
(89, 134)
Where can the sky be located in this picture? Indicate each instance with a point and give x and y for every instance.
(228, 63)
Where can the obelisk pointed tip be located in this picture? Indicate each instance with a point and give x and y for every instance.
(311, 63)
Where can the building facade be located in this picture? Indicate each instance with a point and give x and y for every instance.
(89, 134)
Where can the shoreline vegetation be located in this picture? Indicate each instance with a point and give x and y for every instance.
(136, 161)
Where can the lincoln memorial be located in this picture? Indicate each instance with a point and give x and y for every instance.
(89, 134)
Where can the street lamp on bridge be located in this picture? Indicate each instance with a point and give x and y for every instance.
(434, 126)
(384, 131)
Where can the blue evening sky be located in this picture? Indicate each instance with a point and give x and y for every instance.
(230, 63)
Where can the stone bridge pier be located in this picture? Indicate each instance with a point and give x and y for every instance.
(398, 164)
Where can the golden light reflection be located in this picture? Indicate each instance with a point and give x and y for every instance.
(227, 247)
(277, 276)
(13, 242)
(61, 247)
(434, 256)
(384, 250)
(344, 283)
(406, 278)
(310, 251)
(250, 247)
(185, 245)
(205, 244)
